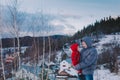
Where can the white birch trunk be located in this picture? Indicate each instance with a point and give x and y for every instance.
(15, 27)
(43, 58)
(2, 60)
(35, 58)
(49, 56)
(2, 64)
(18, 43)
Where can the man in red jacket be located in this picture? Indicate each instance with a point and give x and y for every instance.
(75, 56)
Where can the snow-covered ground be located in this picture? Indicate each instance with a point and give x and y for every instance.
(105, 75)
(98, 75)
(24, 74)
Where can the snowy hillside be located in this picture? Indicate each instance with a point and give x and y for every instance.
(107, 39)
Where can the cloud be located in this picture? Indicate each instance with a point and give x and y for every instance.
(66, 19)
(46, 24)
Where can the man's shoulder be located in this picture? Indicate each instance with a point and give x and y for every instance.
(93, 50)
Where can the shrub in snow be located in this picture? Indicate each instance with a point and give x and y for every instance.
(109, 56)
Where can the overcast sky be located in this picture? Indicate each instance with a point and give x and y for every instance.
(77, 13)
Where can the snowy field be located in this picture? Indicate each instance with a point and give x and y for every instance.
(105, 75)
(98, 75)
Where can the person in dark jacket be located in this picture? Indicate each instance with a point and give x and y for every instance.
(88, 59)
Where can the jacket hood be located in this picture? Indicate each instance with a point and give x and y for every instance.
(88, 41)
(74, 47)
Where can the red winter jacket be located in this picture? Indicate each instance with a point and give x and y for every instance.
(75, 56)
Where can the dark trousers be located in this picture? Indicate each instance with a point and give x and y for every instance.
(85, 77)
(81, 77)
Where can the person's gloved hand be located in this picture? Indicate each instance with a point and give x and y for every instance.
(72, 65)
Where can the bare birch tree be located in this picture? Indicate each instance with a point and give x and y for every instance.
(2, 59)
(35, 48)
(14, 15)
(3, 71)
(43, 57)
